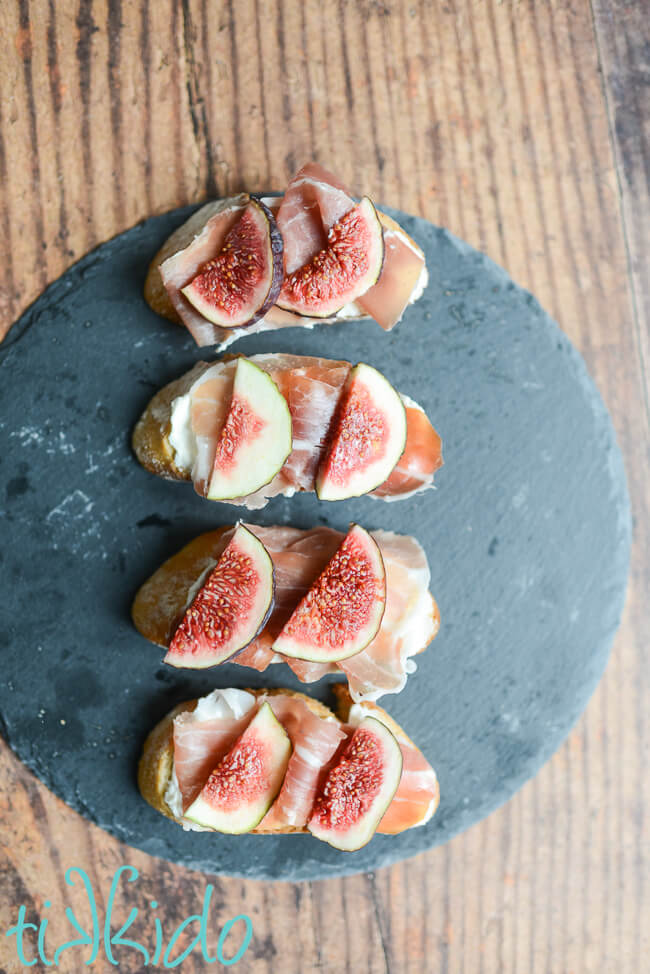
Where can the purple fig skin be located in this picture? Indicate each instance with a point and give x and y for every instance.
(277, 256)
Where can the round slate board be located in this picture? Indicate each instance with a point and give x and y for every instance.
(527, 535)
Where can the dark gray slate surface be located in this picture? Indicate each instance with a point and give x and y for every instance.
(527, 535)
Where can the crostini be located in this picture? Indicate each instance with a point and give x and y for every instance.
(247, 264)
(319, 600)
(275, 761)
(248, 429)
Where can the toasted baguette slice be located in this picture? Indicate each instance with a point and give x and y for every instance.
(162, 599)
(152, 435)
(156, 763)
(159, 301)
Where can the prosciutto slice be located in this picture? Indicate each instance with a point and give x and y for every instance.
(403, 273)
(313, 202)
(416, 798)
(421, 458)
(199, 746)
(312, 388)
(315, 741)
(409, 621)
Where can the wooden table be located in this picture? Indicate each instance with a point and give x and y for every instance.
(518, 125)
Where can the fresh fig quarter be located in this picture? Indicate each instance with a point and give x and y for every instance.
(256, 438)
(230, 608)
(358, 788)
(241, 789)
(342, 611)
(366, 439)
(240, 284)
(344, 270)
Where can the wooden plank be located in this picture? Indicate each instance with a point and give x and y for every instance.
(621, 34)
(490, 118)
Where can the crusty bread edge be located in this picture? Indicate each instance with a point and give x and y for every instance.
(150, 438)
(156, 762)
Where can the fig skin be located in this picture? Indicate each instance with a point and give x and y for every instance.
(277, 255)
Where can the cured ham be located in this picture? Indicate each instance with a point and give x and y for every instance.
(200, 743)
(313, 203)
(201, 739)
(417, 795)
(312, 388)
(421, 458)
(402, 279)
(408, 624)
(315, 742)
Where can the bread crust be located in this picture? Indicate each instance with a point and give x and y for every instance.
(150, 439)
(156, 762)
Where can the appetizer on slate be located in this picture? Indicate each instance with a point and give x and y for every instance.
(320, 601)
(247, 429)
(276, 761)
(246, 264)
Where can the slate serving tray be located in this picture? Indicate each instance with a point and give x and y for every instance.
(527, 535)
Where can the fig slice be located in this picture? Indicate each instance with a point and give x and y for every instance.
(344, 270)
(342, 611)
(230, 608)
(366, 439)
(240, 284)
(243, 786)
(256, 437)
(358, 788)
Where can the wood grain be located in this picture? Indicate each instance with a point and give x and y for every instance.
(522, 127)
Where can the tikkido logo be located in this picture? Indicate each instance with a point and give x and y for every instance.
(32, 939)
